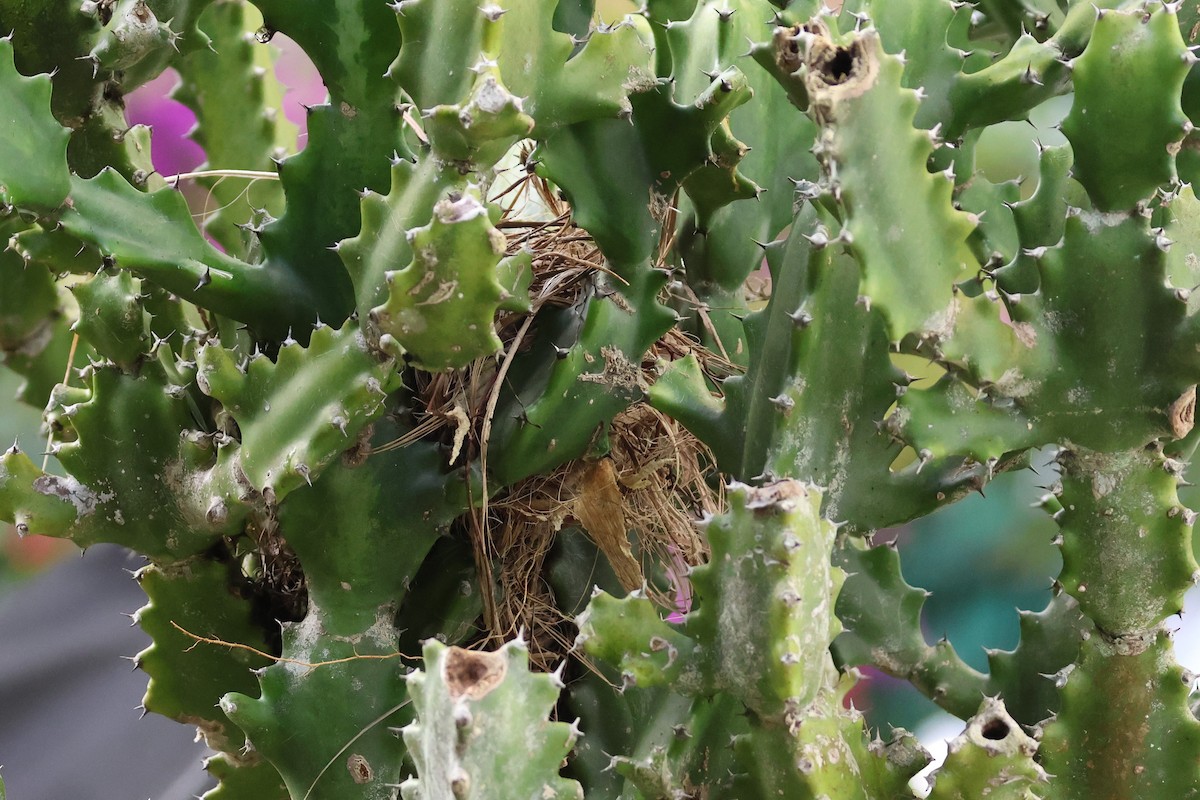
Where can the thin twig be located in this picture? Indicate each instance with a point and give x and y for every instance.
(282, 660)
(251, 174)
(485, 434)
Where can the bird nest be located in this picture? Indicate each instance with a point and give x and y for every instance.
(637, 504)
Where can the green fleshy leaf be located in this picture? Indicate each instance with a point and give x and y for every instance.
(33, 146)
(188, 677)
(440, 307)
(911, 263)
(243, 781)
(296, 414)
(1126, 120)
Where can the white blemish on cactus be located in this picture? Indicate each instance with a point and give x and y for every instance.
(69, 489)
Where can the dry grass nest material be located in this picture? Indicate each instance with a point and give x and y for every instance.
(653, 482)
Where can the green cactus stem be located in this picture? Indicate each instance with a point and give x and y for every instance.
(481, 729)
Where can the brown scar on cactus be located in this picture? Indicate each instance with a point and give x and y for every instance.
(1182, 413)
(473, 673)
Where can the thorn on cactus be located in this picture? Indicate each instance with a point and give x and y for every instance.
(801, 318)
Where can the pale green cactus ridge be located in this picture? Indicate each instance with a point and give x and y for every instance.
(111, 316)
(33, 149)
(190, 505)
(983, 348)
(1179, 218)
(233, 80)
(482, 128)
(383, 242)
(630, 634)
(890, 636)
(895, 642)
(766, 597)
(136, 42)
(1030, 73)
(949, 418)
(1034, 69)
(144, 37)
(756, 615)
(515, 274)
(991, 758)
(21, 503)
(238, 780)
(187, 677)
(1040, 220)
(920, 256)
(442, 43)
(934, 39)
(298, 413)
(826, 756)
(995, 243)
(440, 306)
(562, 89)
(1123, 136)
(472, 709)
(469, 115)
(1142, 742)
(534, 61)
(1127, 555)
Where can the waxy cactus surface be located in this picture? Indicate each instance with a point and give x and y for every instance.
(549, 302)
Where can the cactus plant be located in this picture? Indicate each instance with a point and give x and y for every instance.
(493, 337)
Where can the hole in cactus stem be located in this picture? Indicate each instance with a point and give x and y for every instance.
(842, 63)
(995, 730)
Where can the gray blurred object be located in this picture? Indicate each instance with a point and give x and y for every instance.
(70, 726)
